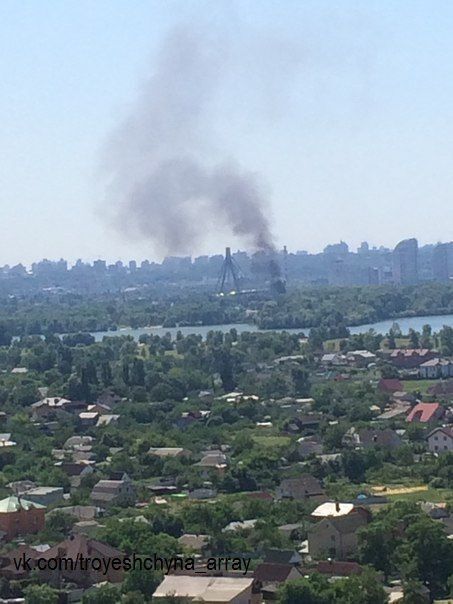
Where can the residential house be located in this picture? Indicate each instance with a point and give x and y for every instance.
(202, 494)
(48, 407)
(360, 358)
(267, 574)
(303, 423)
(409, 358)
(20, 517)
(219, 590)
(166, 452)
(100, 408)
(335, 537)
(425, 413)
(309, 445)
(440, 440)
(73, 549)
(8, 565)
(436, 511)
(330, 509)
(393, 411)
(206, 396)
(106, 419)
(211, 461)
(367, 438)
(282, 556)
(19, 370)
(332, 359)
(88, 419)
(108, 493)
(75, 471)
(303, 488)
(435, 369)
(77, 441)
(45, 495)
(335, 568)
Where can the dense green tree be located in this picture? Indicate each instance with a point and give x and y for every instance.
(105, 594)
(40, 594)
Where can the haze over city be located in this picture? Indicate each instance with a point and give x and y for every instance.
(340, 111)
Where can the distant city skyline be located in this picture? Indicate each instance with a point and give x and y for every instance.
(331, 247)
(343, 110)
(406, 264)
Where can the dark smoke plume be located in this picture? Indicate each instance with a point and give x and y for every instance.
(162, 185)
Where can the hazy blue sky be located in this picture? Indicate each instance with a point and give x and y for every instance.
(344, 108)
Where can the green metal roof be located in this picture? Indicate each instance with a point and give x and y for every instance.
(14, 504)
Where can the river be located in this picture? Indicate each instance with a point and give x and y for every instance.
(436, 322)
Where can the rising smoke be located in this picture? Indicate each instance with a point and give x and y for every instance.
(163, 187)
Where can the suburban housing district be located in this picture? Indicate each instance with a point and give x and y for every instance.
(259, 451)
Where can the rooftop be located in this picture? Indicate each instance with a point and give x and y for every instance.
(202, 589)
(14, 504)
(332, 509)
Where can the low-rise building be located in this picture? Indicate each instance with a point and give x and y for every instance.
(309, 445)
(435, 369)
(20, 517)
(107, 493)
(303, 488)
(332, 509)
(47, 407)
(335, 537)
(425, 413)
(75, 471)
(331, 359)
(366, 438)
(360, 358)
(212, 461)
(409, 358)
(267, 574)
(440, 440)
(166, 452)
(45, 495)
(88, 418)
(75, 548)
(221, 590)
(274, 555)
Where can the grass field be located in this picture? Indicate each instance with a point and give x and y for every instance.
(395, 490)
(418, 385)
(272, 441)
(433, 495)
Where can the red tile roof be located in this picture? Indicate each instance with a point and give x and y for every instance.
(424, 412)
(339, 569)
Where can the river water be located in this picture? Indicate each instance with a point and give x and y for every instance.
(436, 322)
